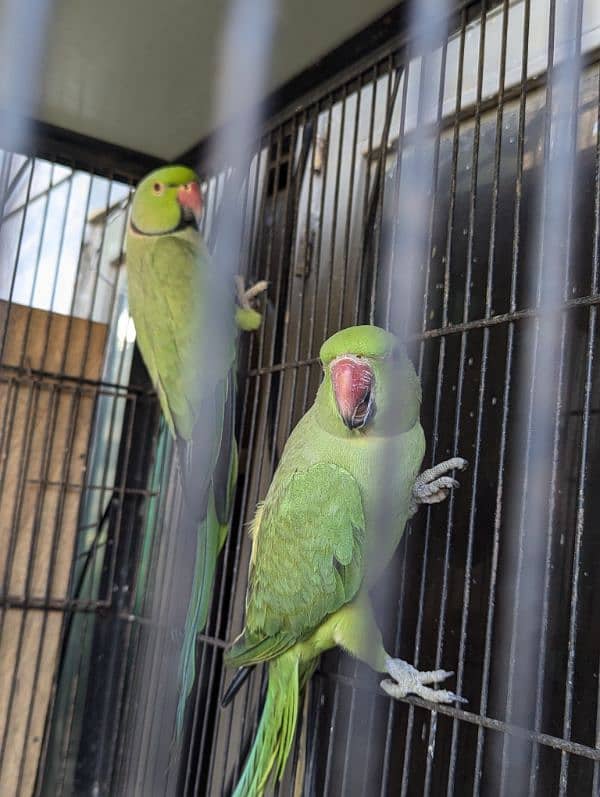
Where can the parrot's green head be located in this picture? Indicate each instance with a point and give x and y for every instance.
(166, 200)
(369, 385)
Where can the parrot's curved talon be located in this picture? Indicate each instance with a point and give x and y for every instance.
(432, 486)
(245, 295)
(409, 680)
(434, 676)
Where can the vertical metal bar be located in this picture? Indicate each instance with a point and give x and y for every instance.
(317, 684)
(547, 354)
(542, 655)
(277, 138)
(353, 170)
(84, 488)
(309, 119)
(10, 409)
(234, 542)
(365, 779)
(124, 754)
(388, 311)
(379, 186)
(397, 184)
(75, 405)
(219, 598)
(106, 488)
(120, 491)
(24, 457)
(592, 319)
(280, 265)
(368, 157)
(316, 255)
(483, 371)
(166, 556)
(67, 732)
(286, 198)
(48, 437)
(253, 424)
(573, 126)
(17, 253)
(458, 406)
(209, 656)
(581, 495)
(76, 283)
(111, 666)
(335, 210)
(390, 97)
(505, 402)
(421, 117)
(331, 737)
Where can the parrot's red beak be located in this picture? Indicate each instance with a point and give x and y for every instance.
(352, 379)
(189, 197)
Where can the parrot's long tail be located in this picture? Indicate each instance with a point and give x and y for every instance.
(275, 732)
(211, 534)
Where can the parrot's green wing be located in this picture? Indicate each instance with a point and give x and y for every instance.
(166, 276)
(165, 296)
(307, 560)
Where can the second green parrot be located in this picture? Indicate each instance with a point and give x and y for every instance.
(170, 280)
(319, 541)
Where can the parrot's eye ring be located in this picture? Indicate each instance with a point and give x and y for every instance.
(188, 187)
(158, 188)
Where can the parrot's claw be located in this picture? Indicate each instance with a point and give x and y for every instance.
(409, 680)
(246, 295)
(432, 487)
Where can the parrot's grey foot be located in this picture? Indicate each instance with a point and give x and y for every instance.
(408, 680)
(245, 296)
(432, 487)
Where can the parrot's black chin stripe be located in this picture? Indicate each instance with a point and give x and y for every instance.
(188, 218)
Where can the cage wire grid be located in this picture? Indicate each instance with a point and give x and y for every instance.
(91, 613)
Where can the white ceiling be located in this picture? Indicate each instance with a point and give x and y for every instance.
(141, 73)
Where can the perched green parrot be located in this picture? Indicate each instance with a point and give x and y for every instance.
(318, 543)
(170, 279)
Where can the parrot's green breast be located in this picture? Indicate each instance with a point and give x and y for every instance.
(383, 468)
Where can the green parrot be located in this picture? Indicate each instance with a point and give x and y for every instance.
(170, 279)
(318, 543)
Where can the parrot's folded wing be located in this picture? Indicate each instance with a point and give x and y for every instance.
(208, 456)
(307, 560)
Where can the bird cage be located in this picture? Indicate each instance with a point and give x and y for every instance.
(93, 576)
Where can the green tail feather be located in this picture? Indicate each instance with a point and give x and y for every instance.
(275, 733)
(212, 533)
(210, 537)
(163, 453)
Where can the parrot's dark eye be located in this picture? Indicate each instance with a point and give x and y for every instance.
(188, 186)
(158, 188)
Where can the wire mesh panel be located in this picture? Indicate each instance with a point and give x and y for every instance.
(67, 409)
(95, 578)
(458, 590)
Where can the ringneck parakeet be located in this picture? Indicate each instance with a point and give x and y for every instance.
(170, 279)
(318, 543)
